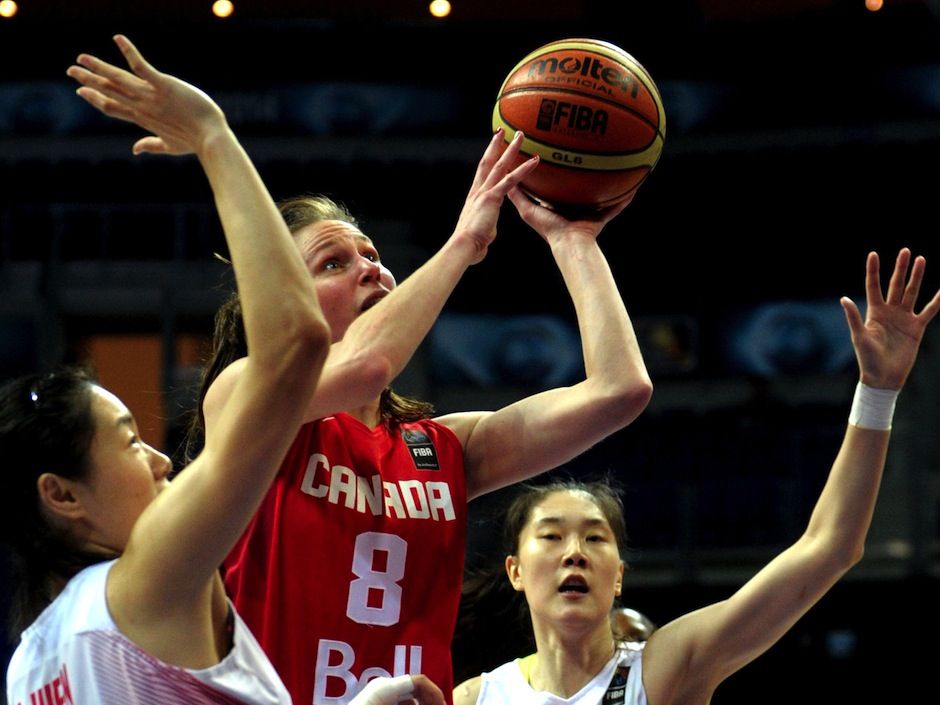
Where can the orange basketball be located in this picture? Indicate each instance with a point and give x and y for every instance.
(593, 115)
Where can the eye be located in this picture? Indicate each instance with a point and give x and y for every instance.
(549, 537)
(135, 441)
(371, 256)
(330, 264)
(596, 538)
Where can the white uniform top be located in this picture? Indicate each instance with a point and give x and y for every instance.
(73, 654)
(620, 681)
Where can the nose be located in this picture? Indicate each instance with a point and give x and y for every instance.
(370, 270)
(574, 554)
(160, 463)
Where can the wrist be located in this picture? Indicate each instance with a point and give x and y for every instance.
(873, 408)
(215, 140)
(463, 247)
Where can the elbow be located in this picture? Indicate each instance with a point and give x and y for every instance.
(854, 557)
(641, 393)
(843, 561)
(365, 375)
(306, 341)
(375, 374)
(837, 557)
(625, 402)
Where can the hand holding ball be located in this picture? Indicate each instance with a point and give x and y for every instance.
(593, 115)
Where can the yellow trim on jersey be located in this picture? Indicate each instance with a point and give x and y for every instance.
(526, 666)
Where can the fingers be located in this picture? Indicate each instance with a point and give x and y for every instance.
(515, 177)
(134, 59)
(488, 159)
(104, 77)
(112, 81)
(898, 277)
(912, 290)
(873, 280)
(150, 145)
(931, 309)
(492, 174)
(525, 206)
(108, 106)
(426, 692)
(852, 316)
(903, 290)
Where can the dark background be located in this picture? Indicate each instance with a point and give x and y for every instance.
(798, 139)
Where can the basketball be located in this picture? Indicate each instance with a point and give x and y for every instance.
(591, 113)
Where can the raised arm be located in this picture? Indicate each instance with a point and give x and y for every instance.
(182, 537)
(687, 659)
(380, 342)
(548, 429)
(392, 330)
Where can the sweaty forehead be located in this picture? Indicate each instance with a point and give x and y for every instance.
(317, 236)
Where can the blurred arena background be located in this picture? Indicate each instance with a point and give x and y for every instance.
(798, 139)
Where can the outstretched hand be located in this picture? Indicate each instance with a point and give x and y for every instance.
(551, 224)
(181, 117)
(886, 342)
(493, 180)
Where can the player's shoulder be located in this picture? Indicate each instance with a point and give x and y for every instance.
(462, 424)
(221, 388)
(466, 693)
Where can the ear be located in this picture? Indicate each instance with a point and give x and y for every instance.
(514, 571)
(618, 585)
(57, 496)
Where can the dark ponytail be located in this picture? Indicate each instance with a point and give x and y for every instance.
(46, 425)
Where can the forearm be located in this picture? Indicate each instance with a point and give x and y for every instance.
(845, 507)
(393, 329)
(278, 299)
(612, 359)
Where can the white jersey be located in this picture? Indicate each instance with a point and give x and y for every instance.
(73, 654)
(619, 682)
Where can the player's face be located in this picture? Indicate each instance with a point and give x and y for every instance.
(568, 563)
(346, 270)
(125, 474)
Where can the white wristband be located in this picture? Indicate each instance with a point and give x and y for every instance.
(873, 408)
(385, 691)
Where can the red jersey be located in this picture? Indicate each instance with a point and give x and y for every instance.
(353, 564)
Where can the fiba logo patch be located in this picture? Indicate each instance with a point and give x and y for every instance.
(421, 448)
(616, 692)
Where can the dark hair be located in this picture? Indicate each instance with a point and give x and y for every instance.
(486, 591)
(46, 425)
(603, 493)
(229, 343)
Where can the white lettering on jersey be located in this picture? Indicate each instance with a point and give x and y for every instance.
(342, 669)
(405, 499)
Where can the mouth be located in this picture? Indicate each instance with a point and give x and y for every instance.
(372, 300)
(574, 584)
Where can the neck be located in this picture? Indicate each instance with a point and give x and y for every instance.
(368, 414)
(566, 662)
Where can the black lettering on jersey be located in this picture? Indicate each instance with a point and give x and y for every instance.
(421, 448)
(617, 689)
